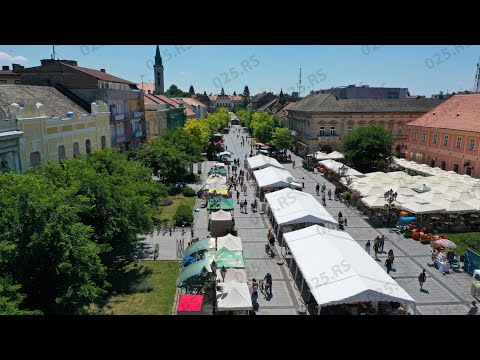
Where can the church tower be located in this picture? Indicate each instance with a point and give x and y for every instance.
(158, 70)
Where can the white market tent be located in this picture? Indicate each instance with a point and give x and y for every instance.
(234, 297)
(423, 207)
(229, 242)
(334, 155)
(262, 161)
(455, 206)
(233, 274)
(376, 202)
(335, 165)
(215, 181)
(292, 207)
(274, 178)
(317, 251)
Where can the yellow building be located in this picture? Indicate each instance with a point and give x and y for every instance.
(54, 127)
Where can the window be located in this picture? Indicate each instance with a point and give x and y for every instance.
(424, 136)
(468, 171)
(432, 163)
(350, 129)
(443, 165)
(435, 139)
(445, 140)
(120, 130)
(414, 136)
(88, 146)
(61, 153)
(35, 159)
(455, 168)
(103, 142)
(76, 149)
(458, 145)
(472, 144)
(322, 130)
(332, 131)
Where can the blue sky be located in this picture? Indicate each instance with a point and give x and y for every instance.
(423, 69)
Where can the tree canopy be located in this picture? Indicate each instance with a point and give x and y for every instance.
(367, 145)
(264, 125)
(199, 131)
(282, 138)
(175, 91)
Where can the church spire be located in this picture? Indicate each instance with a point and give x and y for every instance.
(281, 99)
(222, 92)
(158, 58)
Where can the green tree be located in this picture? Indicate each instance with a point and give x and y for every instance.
(174, 91)
(282, 139)
(11, 299)
(44, 246)
(367, 146)
(199, 131)
(171, 156)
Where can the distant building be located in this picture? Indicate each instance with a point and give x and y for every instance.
(365, 92)
(84, 86)
(228, 101)
(13, 76)
(448, 136)
(199, 109)
(54, 127)
(295, 94)
(158, 73)
(322, 119)
(162, 113)
(261, 100)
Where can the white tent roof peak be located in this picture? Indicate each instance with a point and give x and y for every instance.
(235, 296)
(273, 177)
(262, 161)
(221, 215)
(230, 242)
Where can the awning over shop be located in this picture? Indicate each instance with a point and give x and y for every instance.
(335, 166)
(358, 277)
(220, 203)
(203, 244)
(194, 269)
(227, 258)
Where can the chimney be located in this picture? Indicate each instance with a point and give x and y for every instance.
(5, 67)
(17, 68)
(102, 70)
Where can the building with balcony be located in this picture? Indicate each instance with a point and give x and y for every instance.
(319, 121)
(8, 76)
(448, 136)
(84, 86)
(52, 126)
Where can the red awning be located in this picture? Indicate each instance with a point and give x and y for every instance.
(190, 303)
(219, 143)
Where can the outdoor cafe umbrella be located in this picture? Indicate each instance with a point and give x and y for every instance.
(225, 153)
(445, 243)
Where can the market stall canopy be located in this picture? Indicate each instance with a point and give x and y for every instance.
(220, 165)
(225, 153)
(227, 258)
(221, 216)
(194, 269)
(203, 244)
(220, 203)
(229, 242)
(334, 155)
(262, 161)
(295, 207)
(376, 202)
(455, 206)
(234, 297)
(219, 191)
(273, 177)
(421, 207)
(318, 250)
(233, 274)
(190, 303)
(217, 134)
(221, 171)
(335, 165)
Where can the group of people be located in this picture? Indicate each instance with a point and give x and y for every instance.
(265, 286)
(378, 245)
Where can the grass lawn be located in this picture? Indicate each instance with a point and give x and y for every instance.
(169, 211)
(162, 275)
(457, 239)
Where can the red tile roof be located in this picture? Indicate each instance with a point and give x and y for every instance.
(460, 112)
(191, 101)
(100, 75)
(189, 112)
(284, 110)
(152, 99)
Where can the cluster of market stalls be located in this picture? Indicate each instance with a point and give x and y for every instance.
(444, 201)
(225, 253)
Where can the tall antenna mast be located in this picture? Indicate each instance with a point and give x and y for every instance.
(300, 82)
(476, 87)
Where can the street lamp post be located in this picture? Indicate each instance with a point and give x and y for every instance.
(390, 197)
(223, 272)
(342, 170)
(213, 282)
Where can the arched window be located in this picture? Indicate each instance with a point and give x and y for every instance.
(35, 159)
(61, 153)
(76, 149)
(88, 146)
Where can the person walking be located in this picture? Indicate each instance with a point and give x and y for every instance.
(238, 196)
(344, 220)
(293, 164)
(268, 280)
(382, 243)
(317, 189)
(367, 247)
(254, 291)
(241, 207)
(324, 203)
(388, 264)
(375, 248)
(324, 187)
(473, 310)
(391, 256)
(245, 206)
(329, 194)
(340, 216)
(244, 190)
(422, 278)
